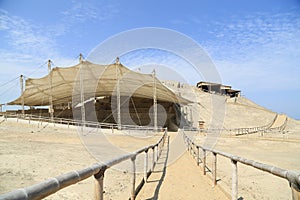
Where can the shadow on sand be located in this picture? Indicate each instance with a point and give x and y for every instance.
(165, 155)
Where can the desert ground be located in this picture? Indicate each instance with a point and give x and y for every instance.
(31, 153)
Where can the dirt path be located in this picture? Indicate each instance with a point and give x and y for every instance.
(180, 180)
(279, 121)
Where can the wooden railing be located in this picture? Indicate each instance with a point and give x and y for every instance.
(244, 131)
(52, 185)
(293, 177)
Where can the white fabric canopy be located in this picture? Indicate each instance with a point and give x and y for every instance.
(92, 80)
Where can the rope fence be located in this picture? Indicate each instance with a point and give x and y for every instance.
(73, 122)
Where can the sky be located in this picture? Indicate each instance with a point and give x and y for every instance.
(255, 45)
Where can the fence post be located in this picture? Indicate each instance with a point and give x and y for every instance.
(234, 194)
(204, 161)
(157, 152)
(295, 194)
(198, 156)
(153, 158)
(146, 166)
(133, 178)
(99, 184)
(214, 169)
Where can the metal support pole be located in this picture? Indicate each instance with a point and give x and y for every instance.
(22, 90)
(234, 191)
(154, 101)
(133, 178)
(51, 111)
(99, 185)
(204, 161)
(146, 166)
(82, 94)
(214, 169)
(118, 93)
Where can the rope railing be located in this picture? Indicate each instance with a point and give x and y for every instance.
(293, 177)
(52, 185)
(74, 122)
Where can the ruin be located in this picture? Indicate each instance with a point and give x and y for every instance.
(218, 88)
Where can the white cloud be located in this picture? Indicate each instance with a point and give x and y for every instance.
(25, 41)
(88, 11)
(260, 51)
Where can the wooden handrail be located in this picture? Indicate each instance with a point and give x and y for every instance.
(293, 177)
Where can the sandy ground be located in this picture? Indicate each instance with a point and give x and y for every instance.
(179, 179)
(255, 184)
(31, 153)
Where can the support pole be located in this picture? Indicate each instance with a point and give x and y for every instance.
(204, 162)
(133, 178)
(80, 58)
(295, 194)
(118, 93)
(191, 114)
(234, 191)
(99, 185)
(214, 169)
(82, 93)
(146, 166)
(198, 156)
(153, 158)
(154, 100)
(51, 111)
(157, 152)
(22, 90)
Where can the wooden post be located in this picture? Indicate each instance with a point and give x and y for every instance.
(157, 152)
(204, 161)
(295, 194)
(146, 166)
(234, 192)
(198, 156)
(133, 179)
(153, 158)
(99, 184)
(214, 169)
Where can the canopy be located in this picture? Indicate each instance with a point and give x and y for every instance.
(88, 80)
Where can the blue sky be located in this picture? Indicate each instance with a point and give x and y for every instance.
(255, 45)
